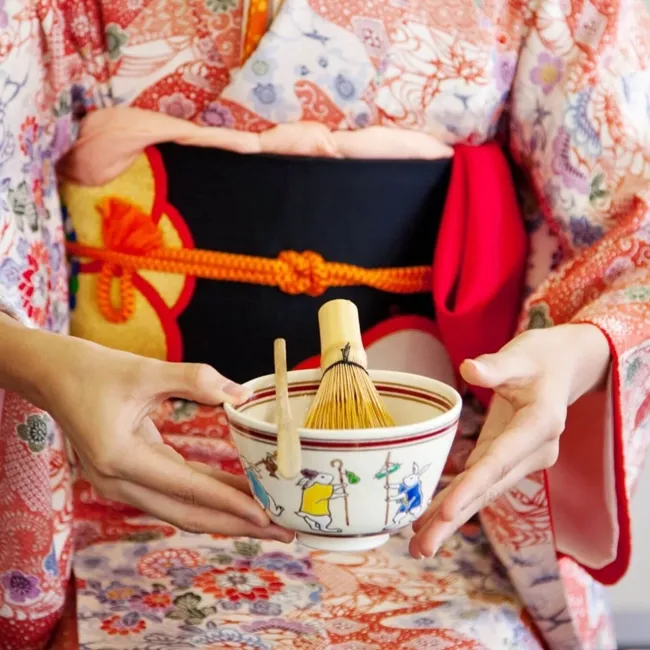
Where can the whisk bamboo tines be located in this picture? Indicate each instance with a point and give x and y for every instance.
(346, 397)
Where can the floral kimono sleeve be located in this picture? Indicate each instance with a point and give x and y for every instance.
(48, 77)
(581, 129)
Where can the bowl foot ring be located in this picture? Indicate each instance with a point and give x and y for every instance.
(343, 543)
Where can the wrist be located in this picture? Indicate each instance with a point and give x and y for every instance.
(589, 348)
(24, 355)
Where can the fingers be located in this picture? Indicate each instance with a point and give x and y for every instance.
(150, 434)
(509, 448)
(496, 422)
(530, 428)
(193, 381)
(434, 507)
(327, 147)
(431, 535)
(385, 142)
(188, 517)
(183, 482)
(238, 482)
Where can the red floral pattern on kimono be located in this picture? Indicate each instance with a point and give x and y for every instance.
(569, 82)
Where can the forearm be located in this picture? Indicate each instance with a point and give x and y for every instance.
(22, 358)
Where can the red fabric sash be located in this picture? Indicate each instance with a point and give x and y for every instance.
(480, 257)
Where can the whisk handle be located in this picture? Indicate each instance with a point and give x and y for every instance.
(339, 325)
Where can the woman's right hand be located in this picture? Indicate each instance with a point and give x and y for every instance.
(310, 139)
(102, 399)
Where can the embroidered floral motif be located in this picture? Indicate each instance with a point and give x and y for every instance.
(183, 410)
(187, 609)
(21, 203)
(35, 284)
(159, 563)
(220, 6)
(237, 584)
(539, 316)
(215, 114)
(248, 548)
(50, 564)
(153, 604)
(583, 232)
(116, 39)
(577, 122)
(548, 72)
(117, 593)
(177, 105)
(19, 587)
(142, 536)
(35, 433)
(281, 563)
(130, 623)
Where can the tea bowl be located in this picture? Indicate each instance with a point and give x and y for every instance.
(356, 486)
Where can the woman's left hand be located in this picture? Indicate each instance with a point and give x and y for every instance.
(536, 377)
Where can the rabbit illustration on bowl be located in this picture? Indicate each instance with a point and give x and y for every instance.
(318, 490)
(410, 497)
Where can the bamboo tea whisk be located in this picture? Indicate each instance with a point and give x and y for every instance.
(346, 397)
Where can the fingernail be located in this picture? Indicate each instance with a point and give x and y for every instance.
(236, 391)
(478, 365)
(259, 519)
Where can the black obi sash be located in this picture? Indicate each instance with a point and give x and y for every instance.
(367, 213)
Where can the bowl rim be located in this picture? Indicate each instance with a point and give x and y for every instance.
(437, 423)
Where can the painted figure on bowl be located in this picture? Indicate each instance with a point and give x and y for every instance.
(409, 496)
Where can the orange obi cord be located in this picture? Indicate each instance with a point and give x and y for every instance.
(134, 243)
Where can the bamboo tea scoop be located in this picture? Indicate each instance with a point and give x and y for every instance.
(289, 452)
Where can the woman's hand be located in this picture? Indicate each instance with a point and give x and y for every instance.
(102, 399)
(383, 142)
(375, 142)
(299, 139)
(535, 378)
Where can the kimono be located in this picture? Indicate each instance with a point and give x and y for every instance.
(564, 85)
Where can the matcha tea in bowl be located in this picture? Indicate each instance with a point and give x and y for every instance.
(353, 486)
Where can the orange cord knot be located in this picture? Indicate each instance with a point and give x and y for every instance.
(125, 229)
(303, 273)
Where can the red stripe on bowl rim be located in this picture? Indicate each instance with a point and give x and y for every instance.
(343, 445)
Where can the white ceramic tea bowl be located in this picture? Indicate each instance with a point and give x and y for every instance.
(357, 486)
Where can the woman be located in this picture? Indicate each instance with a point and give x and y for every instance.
(569, 83)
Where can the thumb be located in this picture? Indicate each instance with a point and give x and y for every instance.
(508, 366)
(196, 382)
